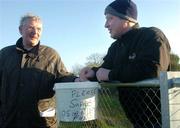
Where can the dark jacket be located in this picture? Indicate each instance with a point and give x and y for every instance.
(26, 85)
(139, 54)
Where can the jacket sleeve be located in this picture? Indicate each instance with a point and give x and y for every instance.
(62, 75)
(57, 73)
(108, 62)
(0, 74)
(152, 56)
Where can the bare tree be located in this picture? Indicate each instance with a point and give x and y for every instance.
(94, 60)
(76, 69)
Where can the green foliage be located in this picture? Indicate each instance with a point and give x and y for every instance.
(174, 64)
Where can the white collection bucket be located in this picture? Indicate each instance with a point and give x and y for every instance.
(76, 101)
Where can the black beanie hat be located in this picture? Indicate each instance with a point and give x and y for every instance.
(125, 9)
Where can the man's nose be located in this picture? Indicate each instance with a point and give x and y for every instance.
(106, 24)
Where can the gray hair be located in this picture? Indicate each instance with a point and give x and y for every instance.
(29, 16)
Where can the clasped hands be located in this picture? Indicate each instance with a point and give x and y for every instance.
(87, 73)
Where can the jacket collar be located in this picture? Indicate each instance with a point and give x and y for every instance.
(31, 53)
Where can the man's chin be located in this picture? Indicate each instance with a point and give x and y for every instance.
(113, 36)
(33, 44)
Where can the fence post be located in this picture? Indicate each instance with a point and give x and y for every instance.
(165, 115)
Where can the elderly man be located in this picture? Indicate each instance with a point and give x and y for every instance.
(28, 71)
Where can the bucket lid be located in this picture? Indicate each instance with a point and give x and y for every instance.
(72, 85)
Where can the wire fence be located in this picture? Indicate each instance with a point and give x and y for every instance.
(146, 104)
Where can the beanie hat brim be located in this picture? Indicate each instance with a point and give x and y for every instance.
(110, 10)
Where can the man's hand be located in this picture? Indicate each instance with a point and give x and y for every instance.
(86, 73)
(102, 74)
(79, 80)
